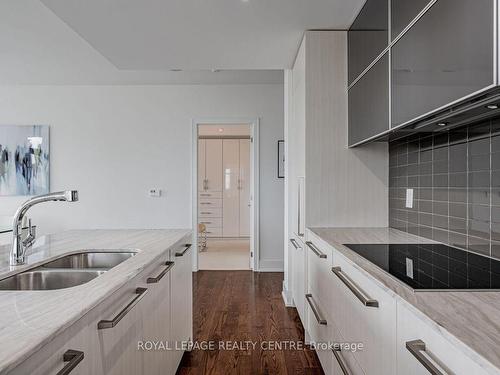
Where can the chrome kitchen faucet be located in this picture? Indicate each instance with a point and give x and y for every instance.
(19, 246)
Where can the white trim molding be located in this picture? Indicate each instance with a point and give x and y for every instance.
(255, 172)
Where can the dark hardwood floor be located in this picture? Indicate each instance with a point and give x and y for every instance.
(245, 308)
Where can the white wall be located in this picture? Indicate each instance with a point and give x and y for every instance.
(113, 143)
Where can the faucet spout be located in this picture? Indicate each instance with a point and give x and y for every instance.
(19, 247)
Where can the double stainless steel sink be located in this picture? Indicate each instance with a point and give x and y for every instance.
(67, 271)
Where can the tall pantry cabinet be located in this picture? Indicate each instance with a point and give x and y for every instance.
(224, 186)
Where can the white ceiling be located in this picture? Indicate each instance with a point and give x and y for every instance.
(140, 41)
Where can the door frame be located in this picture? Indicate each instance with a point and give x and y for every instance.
(254, 124)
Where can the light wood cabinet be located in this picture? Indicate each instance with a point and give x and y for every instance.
(224, 186)
(231, 193)
(244, 187)
(213, 164)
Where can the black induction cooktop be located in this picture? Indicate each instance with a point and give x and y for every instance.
(433, 266)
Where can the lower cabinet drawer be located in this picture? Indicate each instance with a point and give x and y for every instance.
(419, 341)
(205, 213)
(209, 194)
(364, 313)
(209, 203)
(343, 356)
(214, 232)
(319, 329)
(211, 222)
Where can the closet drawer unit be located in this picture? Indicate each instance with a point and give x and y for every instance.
(209, 203)
(214, 232)
(211, 222)
(210, 194)
(210, 212)
(319, 329)
(364, 313)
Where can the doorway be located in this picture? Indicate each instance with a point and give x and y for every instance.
(225, 211)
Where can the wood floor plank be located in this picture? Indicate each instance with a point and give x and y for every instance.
(244, 307)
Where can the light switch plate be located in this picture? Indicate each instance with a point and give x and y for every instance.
(409, 198)
(154, 193)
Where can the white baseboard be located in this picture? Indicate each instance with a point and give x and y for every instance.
(287, 297)
(271, 265)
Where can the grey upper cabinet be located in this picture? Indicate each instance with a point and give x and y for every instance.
(369, 103)
(403, 12)
(446, 56)
(368, 36)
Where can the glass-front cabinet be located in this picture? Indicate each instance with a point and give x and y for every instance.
(369, 103)
(445, 57)
(403, 12)
(368, 36)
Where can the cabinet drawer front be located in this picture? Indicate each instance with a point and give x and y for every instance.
(210, 212)
(319, 329)
(211, 222)
(364, 313)
(204, 203)
(319, 270)
(299, 288)
(344, 356)
(210, 194)
(411, 328)
(214, 232)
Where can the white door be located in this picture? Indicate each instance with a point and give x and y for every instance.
(244, 186)
(201, 164)
(231, 193)
(213, 171)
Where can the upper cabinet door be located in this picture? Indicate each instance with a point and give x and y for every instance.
(403, 12)
(369, 103)
(368, 36)
(446, 56)
(213, 162)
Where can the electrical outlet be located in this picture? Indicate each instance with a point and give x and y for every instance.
(154, 193)
(409, 198)
(409, 268)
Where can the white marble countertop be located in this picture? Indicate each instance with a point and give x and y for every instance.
(29, 319)
(470, 320)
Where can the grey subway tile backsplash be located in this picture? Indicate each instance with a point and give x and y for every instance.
(456, 180)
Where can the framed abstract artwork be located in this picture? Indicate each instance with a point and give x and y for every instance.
(24, 159)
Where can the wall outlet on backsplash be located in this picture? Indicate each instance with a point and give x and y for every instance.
(409, 198)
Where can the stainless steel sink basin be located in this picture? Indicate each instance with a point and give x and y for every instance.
(39, 279)
(95, 260)
(66, 272)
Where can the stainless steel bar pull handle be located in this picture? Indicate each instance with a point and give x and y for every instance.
(341, 361)
(153, 280)
(73, 358)
(417, 349)
(105, 324)
(356, 290)
(315, 311)
(181, 253)
(294, 243)
(315, 250)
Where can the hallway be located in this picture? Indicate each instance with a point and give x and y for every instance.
(241, 306)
